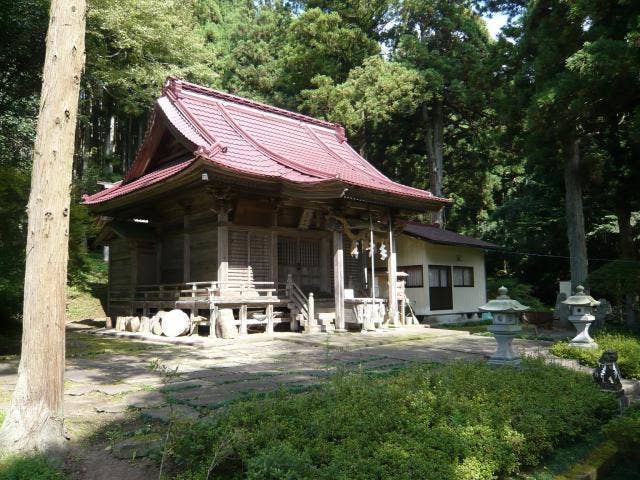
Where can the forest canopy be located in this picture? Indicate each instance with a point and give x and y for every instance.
(530, 132)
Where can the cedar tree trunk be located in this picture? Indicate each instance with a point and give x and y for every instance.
(35, 417)
(434, 125)
(575, 216)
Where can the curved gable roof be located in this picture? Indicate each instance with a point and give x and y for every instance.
(252, 138)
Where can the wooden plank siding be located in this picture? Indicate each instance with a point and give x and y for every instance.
(172, 259)
(204, 254)
(119, 277)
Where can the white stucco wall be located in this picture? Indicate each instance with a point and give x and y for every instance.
(412, 251)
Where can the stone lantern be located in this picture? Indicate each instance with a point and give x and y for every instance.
(505, 326)
(580, 308)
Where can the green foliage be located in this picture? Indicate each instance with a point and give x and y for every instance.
(627, 346)
(616, 279)
(518, 290)
(133, 46)
(29, 468)
(625, 430)
(457, 421)
(320, 43)
(14, 184)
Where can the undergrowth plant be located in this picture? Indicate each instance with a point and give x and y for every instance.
(627, 346)
(459, 421)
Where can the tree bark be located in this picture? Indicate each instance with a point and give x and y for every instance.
(434, 139)
(575, 217)
(625, 240)
(35, 418)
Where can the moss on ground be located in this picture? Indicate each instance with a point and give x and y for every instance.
(83, 303)
(36, 467)
(80, 345)
(626, 344)
(461, 420)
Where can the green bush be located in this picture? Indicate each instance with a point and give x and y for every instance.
(625, 430)
(522, 292)
(28, 468)
(627, 346)
(458, 421)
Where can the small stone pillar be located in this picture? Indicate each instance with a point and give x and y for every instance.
(580, 308)
(505, 326)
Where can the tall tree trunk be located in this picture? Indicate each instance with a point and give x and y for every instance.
(575, 217)
(625, 240)
(627, 251)
(434, 133)
(35, 418)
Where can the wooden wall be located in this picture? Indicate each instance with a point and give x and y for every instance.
(172, 258)
(204, 253)
(120, 277)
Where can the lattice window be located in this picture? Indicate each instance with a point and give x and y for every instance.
(238, 249)
(309, 253)
(260, 255)
(287, 251)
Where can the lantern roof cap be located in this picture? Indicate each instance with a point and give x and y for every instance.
(503, 303)
(580, 298)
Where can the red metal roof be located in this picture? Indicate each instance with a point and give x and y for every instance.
(237, 134)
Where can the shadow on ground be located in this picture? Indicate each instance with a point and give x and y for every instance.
(120, 393)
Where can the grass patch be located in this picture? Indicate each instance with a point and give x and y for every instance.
(78, 345)
(627, 346)
(471, 326)
(29, 468)
(85, 345)
(479, 328)
(459, 421)
(83, 303)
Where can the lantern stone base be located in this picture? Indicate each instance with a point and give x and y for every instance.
(504, 354)
(582, 339)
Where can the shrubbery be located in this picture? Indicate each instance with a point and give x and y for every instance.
(627, 346)
(458, 421)
(28, 468)
(518, 290)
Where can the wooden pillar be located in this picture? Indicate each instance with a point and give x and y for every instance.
(269, 328)
(133, 256)
(159, 261)
(213, 318)
(312, 327)
(186, 256)
(392, 277)
(274, 258)
(325, 284)
(242, 314)
(338, 279)
(223, 246)
(110, 316)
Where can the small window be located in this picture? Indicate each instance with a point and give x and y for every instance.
(414, 279)
(463, 276)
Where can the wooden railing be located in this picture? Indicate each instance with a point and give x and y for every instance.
(305, 305)
(216, 290)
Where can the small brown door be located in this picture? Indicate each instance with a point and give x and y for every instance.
(440, 292)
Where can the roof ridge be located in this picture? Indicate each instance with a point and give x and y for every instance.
(176, 86)
(261, 148)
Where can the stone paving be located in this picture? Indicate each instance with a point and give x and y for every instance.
(207, 372)
(202, 372)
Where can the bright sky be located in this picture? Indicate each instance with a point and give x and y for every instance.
(495, 23)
